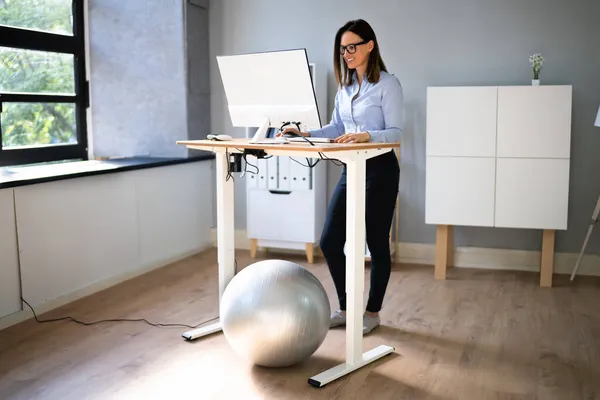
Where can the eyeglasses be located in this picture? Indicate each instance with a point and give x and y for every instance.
(351, 48)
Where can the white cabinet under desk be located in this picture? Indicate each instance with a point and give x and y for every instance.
(286, 203)
(498, 156)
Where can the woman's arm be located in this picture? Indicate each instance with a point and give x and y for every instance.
(392, 104)
(335, 128)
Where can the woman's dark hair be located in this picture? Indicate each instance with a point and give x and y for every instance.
(361, 28)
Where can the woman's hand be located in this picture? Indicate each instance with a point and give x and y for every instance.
(292, 131)
(361, 137)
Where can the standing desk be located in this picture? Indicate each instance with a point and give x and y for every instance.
(354, 156)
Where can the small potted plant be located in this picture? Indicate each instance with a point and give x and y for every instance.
(536, 61)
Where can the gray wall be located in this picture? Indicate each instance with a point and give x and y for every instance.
(145, 92)
(440, 42)
(197, 63)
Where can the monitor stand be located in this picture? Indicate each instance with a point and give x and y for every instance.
(261, 133)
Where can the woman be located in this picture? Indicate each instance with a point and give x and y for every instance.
(368, 108)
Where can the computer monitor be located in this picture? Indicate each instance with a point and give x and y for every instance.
(267, 90)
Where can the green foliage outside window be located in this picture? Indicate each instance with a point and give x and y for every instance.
(26, 71)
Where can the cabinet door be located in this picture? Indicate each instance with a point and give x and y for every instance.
(460, 191)
(174, 211)
(10, 288)
(534, 121)
(532, 193)
(281, 216)
(90, 235)
(461, 121)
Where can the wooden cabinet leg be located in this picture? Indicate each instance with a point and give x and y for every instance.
(444, 250)
(450, 247)
(310, 254)
(547, 261)
(253, 247)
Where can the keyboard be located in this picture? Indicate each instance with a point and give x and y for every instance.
(311, 139)
(270, 141)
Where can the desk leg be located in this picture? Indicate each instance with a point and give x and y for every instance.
(225, 239)
(355, 267)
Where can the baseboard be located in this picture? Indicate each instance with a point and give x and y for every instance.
(473, 257)
(26, 313)
(499, 259)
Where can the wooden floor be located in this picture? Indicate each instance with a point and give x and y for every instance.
(478, 335)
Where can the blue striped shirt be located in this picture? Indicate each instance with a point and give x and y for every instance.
(377, 108)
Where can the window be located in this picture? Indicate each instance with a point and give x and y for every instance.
(43, 86)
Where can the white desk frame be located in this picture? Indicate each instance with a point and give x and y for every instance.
(355, 160)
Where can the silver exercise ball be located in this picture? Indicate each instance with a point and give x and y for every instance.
(275, 313)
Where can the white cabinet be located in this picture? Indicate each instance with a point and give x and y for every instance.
(499, 157)
(10, 289)
(289, 211)
(78, 233)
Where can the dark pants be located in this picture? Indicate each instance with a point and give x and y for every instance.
(383, 174)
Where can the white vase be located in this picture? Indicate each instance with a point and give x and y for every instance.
(535, 82)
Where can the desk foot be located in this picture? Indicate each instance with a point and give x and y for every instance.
(341, 370)
(204, 331)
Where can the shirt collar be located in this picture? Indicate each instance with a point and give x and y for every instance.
(365, 79)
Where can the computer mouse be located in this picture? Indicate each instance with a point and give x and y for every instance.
(220, 137)
(290, 134)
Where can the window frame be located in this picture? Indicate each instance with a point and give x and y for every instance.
(75, 44)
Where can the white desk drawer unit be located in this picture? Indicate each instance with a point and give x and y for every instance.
(285, 203)
(498, 156)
